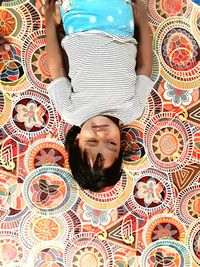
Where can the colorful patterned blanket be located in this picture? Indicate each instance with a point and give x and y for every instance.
(151, 217)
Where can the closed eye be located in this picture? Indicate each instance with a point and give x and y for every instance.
(91, 141)
(112, 143)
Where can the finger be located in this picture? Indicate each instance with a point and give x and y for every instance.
(57, 9)
(45, 6)
(57, 13)
(51, 3)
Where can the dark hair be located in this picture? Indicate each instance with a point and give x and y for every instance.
(94, 178)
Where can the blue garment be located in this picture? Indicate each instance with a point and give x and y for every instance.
(197, 2)
(110, 16)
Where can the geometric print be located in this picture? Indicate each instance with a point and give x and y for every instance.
(151, 217)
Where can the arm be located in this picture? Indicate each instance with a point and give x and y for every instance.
(143, 35)
(54, 51)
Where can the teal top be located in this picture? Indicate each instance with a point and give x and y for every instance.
(110, 16)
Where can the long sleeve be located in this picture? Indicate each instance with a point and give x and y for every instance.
(59, 91)
(143, 87)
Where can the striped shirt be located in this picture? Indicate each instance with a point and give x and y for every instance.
(103, 79)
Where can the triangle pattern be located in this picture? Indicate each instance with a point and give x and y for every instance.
(122, 231)
(186, 175)
(194, 114)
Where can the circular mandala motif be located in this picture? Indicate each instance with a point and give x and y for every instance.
(193, 240)
(179, 59)
(32, 114)
(163, 9)
(47, 254)
(188, 204)
(46, 151)
(151, 192)
(178, 53)
(168, 141)
(8, 23)
(134, 155)
(19, 20)
(166, 253)
(35, 228)
(11, 251)
(85, 250)
(12, 74)
(35, 60)
(164, 226)
(111, 199)
(50, 190)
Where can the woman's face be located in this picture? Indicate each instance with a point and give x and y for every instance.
(100, 135)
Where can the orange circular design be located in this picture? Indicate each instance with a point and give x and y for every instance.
(88, 260)
(46, 229)
(177, 50)
(169, 253)
(34, 154)
(164, 226)
(170, 7)
(182, 54)
(168, 144)
(7, 23)
(159, 10)
(196, 205)
(134, 157)
(43, 65)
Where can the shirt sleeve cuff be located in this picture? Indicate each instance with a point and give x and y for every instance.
(60, 80)
(144, 80)
(143, 87)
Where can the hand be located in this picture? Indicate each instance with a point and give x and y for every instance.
(52, 12)
(140, 13)
(4, 47)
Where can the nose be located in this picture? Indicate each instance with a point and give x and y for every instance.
(101, 131)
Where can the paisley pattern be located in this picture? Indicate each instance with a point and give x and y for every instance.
(151, 217)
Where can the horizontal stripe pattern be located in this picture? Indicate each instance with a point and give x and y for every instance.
(103, 79)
